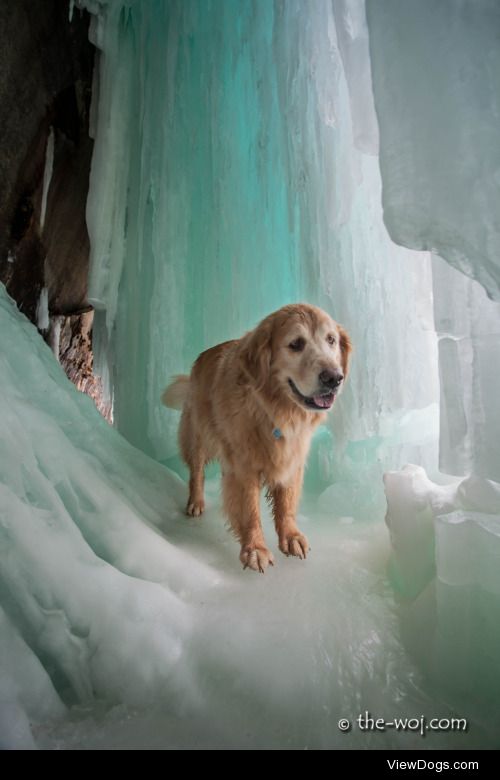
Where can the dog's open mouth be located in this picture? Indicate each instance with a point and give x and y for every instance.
(321, 401)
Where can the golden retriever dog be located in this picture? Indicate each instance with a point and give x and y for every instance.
(253, 404)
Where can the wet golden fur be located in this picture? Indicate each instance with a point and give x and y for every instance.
(237, 395)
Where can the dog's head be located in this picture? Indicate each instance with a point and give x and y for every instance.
(301, 353)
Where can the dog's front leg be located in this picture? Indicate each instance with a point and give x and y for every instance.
(285, 502)
(241, 503)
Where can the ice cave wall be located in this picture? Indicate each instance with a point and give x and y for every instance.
(235, 170)
(92, 596)
(438, 113)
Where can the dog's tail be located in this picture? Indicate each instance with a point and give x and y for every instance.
(175, 394)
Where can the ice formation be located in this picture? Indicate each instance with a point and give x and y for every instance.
(47, 175)
(440, 167)
(235, 169)
(111, 597)
(233, 172)
(446, 550)
(87, 581)
(42, 310)
(468, 326)
(438, 132)
(438, 114)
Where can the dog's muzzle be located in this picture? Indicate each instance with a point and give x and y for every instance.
(322, 401)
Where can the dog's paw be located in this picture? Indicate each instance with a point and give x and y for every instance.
(256, 558)
(294, 543)
(195, 508)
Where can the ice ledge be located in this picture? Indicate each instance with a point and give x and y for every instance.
(468, 550)
(451, 531)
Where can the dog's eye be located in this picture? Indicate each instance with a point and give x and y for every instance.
(297, 345)
(331, 339)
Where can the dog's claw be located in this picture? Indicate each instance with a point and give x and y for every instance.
(195, 508)
(256, 558)
(294, 544)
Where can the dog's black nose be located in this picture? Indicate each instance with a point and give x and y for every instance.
(331, 379)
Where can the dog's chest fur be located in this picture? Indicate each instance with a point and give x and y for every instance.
(276, 459)
(243, 422)
(286, 455)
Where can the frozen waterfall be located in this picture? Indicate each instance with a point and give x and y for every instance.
(236, 168)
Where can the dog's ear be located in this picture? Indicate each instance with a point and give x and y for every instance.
(345, 349)
(257, 352)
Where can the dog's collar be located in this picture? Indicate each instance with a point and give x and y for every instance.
(277, 433)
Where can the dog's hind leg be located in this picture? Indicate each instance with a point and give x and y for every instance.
(196, 501)
(195, 459)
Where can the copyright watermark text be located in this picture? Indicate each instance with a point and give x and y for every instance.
(420, 725)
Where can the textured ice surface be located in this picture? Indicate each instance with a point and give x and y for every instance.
(87, 581)
(411, 501)
(233, 172)
(468, 549)
(415, 504)
(26, 690)
(125, 625)
(468, 327)
(468, 606)
(446, 559)
(436, 79)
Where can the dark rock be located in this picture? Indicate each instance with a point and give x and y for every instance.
(72, 342)
(45, 82)
(46, 65)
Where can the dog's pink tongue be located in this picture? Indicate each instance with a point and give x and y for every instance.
(325, 401)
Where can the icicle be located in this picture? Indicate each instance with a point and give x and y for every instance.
(54, 336)
(47, 175)
(42, 310)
